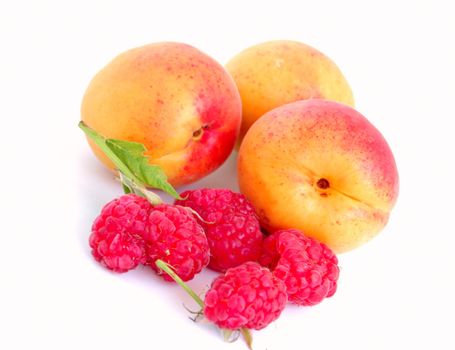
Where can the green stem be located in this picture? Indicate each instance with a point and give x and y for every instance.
(227, 333)
(166, 268)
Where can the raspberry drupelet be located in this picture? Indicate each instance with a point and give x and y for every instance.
(247, 296)
(174, 236)
(308, 268)
(116, 238)
(230, 223)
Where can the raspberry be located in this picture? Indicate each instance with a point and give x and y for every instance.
(308, 268)
(230, 223)
(174, 236)
(246, 296)
(116, 233)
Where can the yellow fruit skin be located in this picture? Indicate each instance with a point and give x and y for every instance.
(287, 152)
(177, 101)
(274, 73)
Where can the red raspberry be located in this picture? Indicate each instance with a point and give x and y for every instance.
(308, 268)
(174, 236)
(246, 296)
(116, 233)
(230, 223)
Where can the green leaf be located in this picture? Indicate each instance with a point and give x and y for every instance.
(128, 157)
(132, 155)
(100, 141)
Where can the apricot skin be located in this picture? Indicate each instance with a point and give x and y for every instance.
(177, 101)
(274, 73)
(321, 167)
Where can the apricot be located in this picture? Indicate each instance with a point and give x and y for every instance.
(274, 73)
(321, 167)
(180, 103)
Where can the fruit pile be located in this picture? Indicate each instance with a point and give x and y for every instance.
(316, 176)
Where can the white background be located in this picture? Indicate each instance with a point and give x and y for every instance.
(396, 292)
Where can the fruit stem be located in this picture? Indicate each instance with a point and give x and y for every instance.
(246, 334)
(140, 190)
(167, 268)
